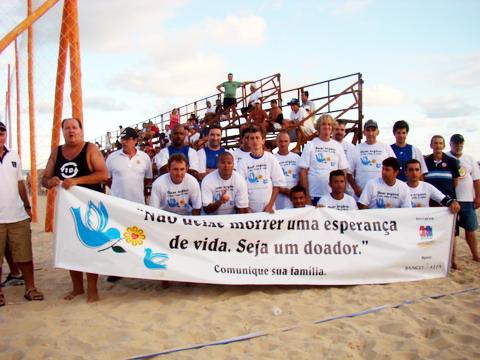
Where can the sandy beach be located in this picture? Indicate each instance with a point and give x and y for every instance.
(137, 317)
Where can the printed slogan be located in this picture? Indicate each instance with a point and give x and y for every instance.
(106, 235)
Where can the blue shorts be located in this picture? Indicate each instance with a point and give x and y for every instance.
(467, 217)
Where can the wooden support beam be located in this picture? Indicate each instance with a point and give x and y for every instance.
(31, 115)
(58, 107)
(17, 89)
(26, 23)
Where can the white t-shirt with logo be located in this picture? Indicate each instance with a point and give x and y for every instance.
(349, 149)
(378, 195)
(347, 203)
(177, 198)
(261, 174)
(367, 161)
(11, 205)
(469, 172)
(421, 195)
(320, 158)
(308, 126)
(238, 155)
(128, 174)
(291, 171)
(213, 186)
(162, 158)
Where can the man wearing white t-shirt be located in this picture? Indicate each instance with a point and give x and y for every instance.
(15, 214)
(339, 134)
(468, 192)
(177, 191)
(178, 135)
(337, 199)
(207, 156)
(243, 151)
(289, 163)
(319, 157)
(224, 191)
(387, 191)
(367, 160)
(262, 172)
(422, 192)
(129, 169)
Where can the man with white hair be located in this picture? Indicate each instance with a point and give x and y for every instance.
(319, 157)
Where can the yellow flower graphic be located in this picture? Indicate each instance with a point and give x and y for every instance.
(134, 235)
(374, 161)
(260, 177)
(329, 158)
(290, 171)
(181, 202)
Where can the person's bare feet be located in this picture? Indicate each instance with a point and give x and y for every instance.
(92, 296)
(72, 294)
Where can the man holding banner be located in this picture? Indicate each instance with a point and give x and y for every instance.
(76, 163)
(386, 191)
(177, 191)
(224, 191)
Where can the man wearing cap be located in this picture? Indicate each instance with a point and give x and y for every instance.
(468, 192)
(15, 214)
(367, 158)
(129, 169)
(177, 146)
(299, 120)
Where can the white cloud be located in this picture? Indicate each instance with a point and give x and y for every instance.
(104, 103)
(349, 7)
(188, 77)
(237, 31)
(383, 95)
(464, 125)
(447, 106)
(465, 72)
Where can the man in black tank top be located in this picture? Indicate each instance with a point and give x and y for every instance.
(76, 163)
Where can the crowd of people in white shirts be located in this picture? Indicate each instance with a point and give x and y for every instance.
(330, 172)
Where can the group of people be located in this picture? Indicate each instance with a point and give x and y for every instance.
(330, 172)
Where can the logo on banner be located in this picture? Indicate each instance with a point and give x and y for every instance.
(93, 232)
(425, 232)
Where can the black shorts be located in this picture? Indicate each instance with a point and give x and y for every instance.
(227, 102)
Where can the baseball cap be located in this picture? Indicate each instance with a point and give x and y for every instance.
(370, 123)
(129, 133)
(294, 101)
(457, 139)
(2, 126)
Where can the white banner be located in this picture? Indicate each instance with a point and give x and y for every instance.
(106, 235)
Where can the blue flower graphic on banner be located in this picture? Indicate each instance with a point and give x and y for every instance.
(91, 230)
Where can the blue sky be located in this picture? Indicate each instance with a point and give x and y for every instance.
(420, 59)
